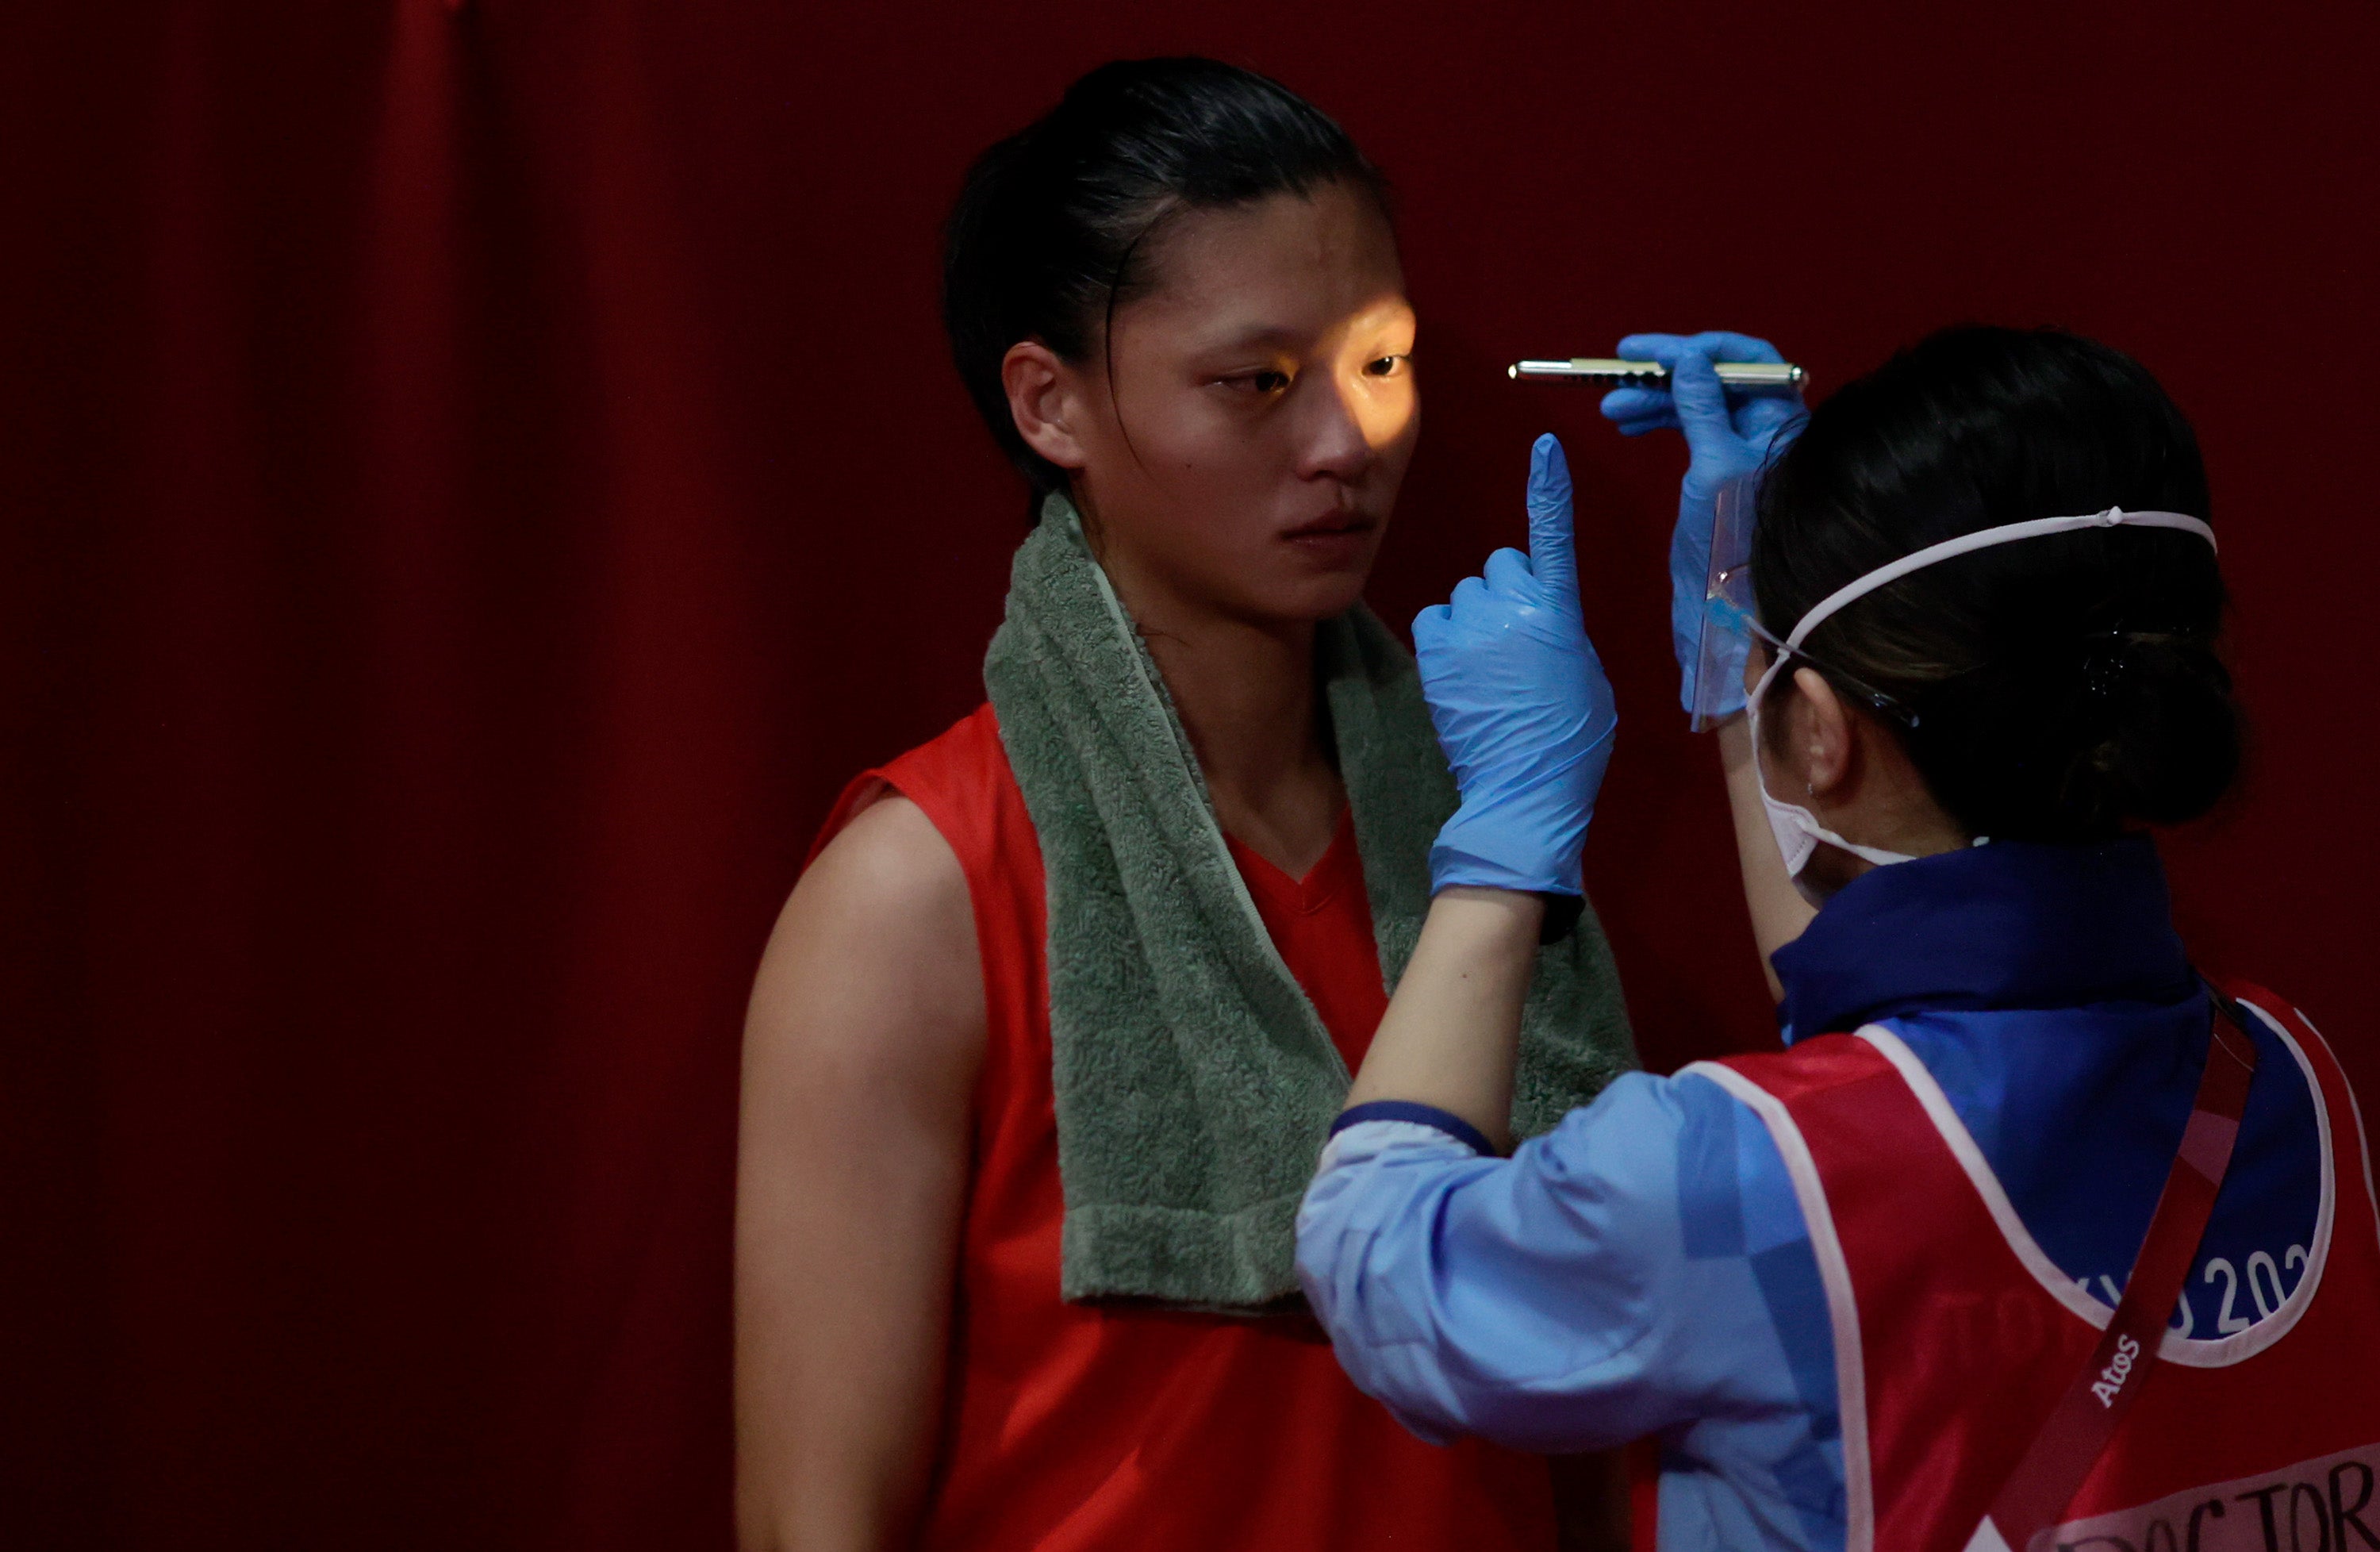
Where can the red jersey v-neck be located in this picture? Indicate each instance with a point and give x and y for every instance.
(1322, 925)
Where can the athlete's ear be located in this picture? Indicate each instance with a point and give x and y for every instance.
(1822, 733)
(1045, 395)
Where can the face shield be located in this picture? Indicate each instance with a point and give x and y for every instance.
(1730, 625)
(1730, 619)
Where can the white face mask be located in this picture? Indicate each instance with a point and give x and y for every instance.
(1797, 830)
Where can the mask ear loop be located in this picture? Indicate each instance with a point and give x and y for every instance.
(1796, 829)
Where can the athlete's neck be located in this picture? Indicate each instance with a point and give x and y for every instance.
(1246, 692)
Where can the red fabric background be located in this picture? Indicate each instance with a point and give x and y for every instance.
(479, 476)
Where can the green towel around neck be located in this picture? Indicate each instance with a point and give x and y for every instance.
(1195, 1082)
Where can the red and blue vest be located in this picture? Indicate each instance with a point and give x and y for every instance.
(1954, 1334)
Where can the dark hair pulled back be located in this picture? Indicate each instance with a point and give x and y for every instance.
(2064, 687)
(1052, 229)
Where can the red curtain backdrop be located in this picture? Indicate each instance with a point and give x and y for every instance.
(479, 476)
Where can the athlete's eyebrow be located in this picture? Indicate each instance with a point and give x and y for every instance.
(1254, 337)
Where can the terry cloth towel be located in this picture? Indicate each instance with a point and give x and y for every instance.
(1195, 1081)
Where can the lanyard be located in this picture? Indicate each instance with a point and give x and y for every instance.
(2079, 1427)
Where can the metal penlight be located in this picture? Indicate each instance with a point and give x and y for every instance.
(1612, 373)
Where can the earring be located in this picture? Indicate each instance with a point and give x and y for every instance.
(1809, 789)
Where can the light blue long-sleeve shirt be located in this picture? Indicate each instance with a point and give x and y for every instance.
(1644, 1268)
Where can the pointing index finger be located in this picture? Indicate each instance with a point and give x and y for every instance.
(1553, 555)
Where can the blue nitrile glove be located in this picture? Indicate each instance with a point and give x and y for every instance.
(1727, 437)
(1521, 704)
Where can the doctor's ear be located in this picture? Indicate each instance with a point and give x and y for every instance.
(1045, 395)
(1821, 737)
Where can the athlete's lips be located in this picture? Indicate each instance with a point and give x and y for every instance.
(1332, 526)
(1342, 541)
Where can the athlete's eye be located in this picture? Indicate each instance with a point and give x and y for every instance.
(1266, 382)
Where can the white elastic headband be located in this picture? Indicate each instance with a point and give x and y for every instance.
(1984, 539)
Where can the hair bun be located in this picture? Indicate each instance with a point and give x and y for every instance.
(2173, 737)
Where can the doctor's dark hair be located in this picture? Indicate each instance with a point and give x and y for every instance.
(1052, 227)
(2064, 687)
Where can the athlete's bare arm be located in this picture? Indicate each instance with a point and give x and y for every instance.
(860, 1052)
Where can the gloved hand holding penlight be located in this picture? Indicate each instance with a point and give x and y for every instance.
(1739, 403)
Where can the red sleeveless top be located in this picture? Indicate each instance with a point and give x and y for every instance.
(1080, 1426)
(1955, 1335)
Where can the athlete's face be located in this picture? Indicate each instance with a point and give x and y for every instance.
(1243, 451)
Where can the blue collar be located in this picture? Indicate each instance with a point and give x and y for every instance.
(2012, 925)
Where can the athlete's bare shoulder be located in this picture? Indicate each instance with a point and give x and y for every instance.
(889, 855)
(876, 952)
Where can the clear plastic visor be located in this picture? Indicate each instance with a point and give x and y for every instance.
(1736, 647)
(1730, 619)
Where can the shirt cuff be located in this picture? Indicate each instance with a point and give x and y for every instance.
(1418, 1114)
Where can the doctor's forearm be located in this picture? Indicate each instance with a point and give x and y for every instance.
(1778, 911)
(1452, 1029)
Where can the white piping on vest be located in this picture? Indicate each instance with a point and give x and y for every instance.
(1834, 1271)
(2189, 1352)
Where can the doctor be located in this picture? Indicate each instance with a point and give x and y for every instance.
(1899, 1284)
